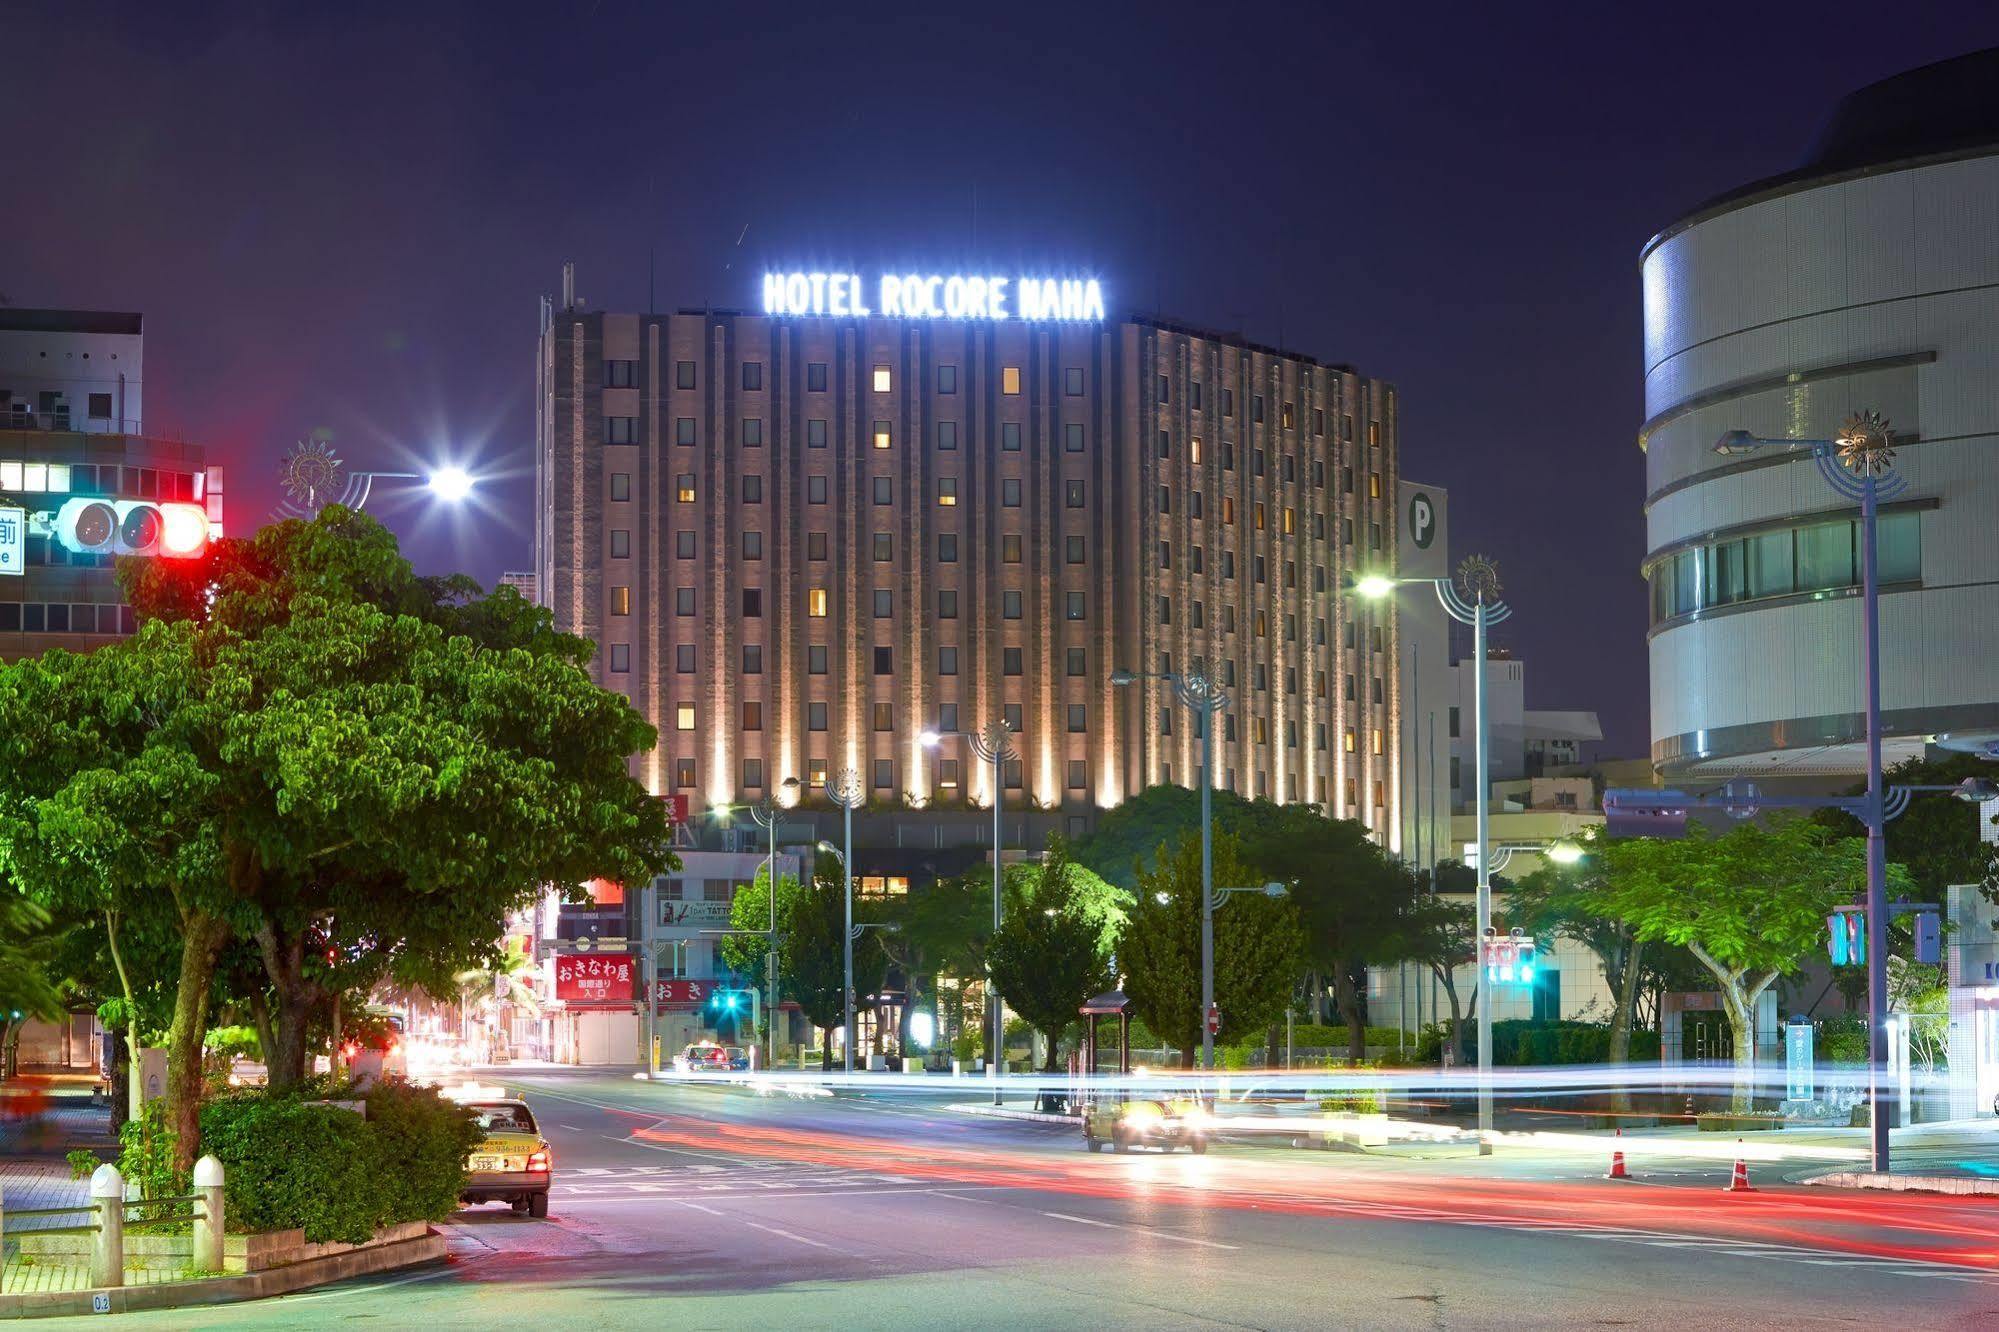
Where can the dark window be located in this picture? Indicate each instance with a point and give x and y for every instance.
(884, 774)
(1164, 394)
(1010, 548)
(1074, 607)
(683, 659)
(947, 434)
(947, 661)
(947, 548)
(1454, 732)
(815, 377)
(621, 430)
(1010, 661)
(1072, 437)
(947, 604)
(621, 657)
(1072, 381)
(753, 545)
(753, 659)
(1228, 402)
(815, 545)
(753, 603)
(1075, 549)
(1079, 717)
(1010, 605)
(1075, 659)
(815, 659)
(884, 717)
(617, 374)
(884, 547)
(1010, 436)
(884, 490)
(884, 661)
(815, 434)
(815, 489)
(753, 376)
(621, 485)
(621, 543)
(753, 773)
(1010, 492)
(753, 715)
(100, 406)
(1073, 494)
(683, 374)
(947, 379)
(884, 603)
(815, 716)
(683, 430)
(753, 490)
(753, 432)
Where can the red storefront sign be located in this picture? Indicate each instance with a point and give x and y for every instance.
(693, 992)
(676, 807)
(595, 980)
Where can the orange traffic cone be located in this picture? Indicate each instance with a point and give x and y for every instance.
(1739, 1181)
(1617, 1161)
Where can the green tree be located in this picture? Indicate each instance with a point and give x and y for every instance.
(1052, 951)
(1258, 945)
(1131, 833)
(749, 955)
(394, 763)
(1351, 897)
(1939, 837)
(1749, 904)
(941, 930)
(1441, 934)
(813, 962)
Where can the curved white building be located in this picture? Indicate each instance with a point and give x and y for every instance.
(1868, 279)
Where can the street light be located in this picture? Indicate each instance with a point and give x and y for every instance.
(314, 476)
(1859, 464)
(767, 813)
(846, 792)
(1477, 605)
(1204, 698)
(995, 746)
(451, 484)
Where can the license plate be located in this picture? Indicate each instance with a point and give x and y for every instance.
(489, 1163)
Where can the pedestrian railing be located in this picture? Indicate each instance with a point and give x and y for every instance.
(107, 1210)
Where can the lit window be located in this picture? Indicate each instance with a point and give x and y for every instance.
(35, 477)
(59, 474)
(1194, 449)
(947, 490)
(947, 774)
(882, 435)
(884, 380)
(621, 601)
(1259, 515)
(684, 487)
(1377, 742)
(1290, 520)
(1010, 380)
(1350, 740)
(815, 772)
(683, 717)
(1374, 485)
(815, 603)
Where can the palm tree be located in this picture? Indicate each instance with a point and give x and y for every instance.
(506, 981)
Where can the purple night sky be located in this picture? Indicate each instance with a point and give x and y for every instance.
(342, 223)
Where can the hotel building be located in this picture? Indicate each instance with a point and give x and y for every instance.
(803, 541)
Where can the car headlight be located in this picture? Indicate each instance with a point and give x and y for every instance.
(1194, 1117)
(1143, 1118)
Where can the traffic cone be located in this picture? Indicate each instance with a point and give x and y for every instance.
(1739, 1181)
(1617, 1161)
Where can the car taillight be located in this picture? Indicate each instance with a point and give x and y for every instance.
(538, 1160)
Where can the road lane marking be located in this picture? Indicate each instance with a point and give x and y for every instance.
(787, 1234)
(699, 1208)
(1141, 1230)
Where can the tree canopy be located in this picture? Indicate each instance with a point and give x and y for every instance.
(1052, 951)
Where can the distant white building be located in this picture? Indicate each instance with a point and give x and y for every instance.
(522, 581)
(73, 370)
(1525, 742)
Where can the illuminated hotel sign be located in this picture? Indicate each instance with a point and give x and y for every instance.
(934, 296)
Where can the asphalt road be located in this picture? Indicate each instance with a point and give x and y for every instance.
(698, 1207)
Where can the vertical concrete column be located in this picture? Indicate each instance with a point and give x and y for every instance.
(107, 1247)
(208, 1215)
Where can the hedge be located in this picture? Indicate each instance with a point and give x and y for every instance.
(1521, 1041)
(291, 1163)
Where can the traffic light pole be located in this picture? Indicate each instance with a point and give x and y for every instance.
(1877, 850)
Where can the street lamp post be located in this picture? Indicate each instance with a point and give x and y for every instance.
(1859, 463)
(994, 745)
(1477, 605)
(845, 791)
(767, 813)
(1205, 699)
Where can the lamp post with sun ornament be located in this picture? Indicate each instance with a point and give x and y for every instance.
(313, 476)
(1859, 464)
(1473, 600)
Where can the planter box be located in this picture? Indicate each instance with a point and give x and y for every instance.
(240, 1253)
(1725, 1123)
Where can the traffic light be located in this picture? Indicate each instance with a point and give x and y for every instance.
(132, 527)
(1510, 958)
(1846, 937)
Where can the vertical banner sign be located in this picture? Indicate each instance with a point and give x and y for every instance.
(13, 540)
(1798, 1061)
(594, 980)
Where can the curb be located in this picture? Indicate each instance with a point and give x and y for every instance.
(428, 1248)
(1870, 1179)
(1027, 1116)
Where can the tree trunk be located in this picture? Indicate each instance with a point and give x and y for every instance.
(202, 937)
(1351, 1013)
(338, 1059)
(1050, 1066)
(825, 1049)
(284, 963)
(1454, 1030)
(260, 1018)
(1620, 1020)
(132, 1088)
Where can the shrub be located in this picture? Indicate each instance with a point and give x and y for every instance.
(420, 1144)
(146, 1153)
(287, 1163)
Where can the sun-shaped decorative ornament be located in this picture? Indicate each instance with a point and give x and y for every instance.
(1866, 446)
(312, 475)
(1478, 578)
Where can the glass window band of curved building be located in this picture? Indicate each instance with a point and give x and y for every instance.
(1810, 558)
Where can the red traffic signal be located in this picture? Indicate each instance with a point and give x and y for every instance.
(132, 527)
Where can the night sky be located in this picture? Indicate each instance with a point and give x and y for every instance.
(341, 225)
